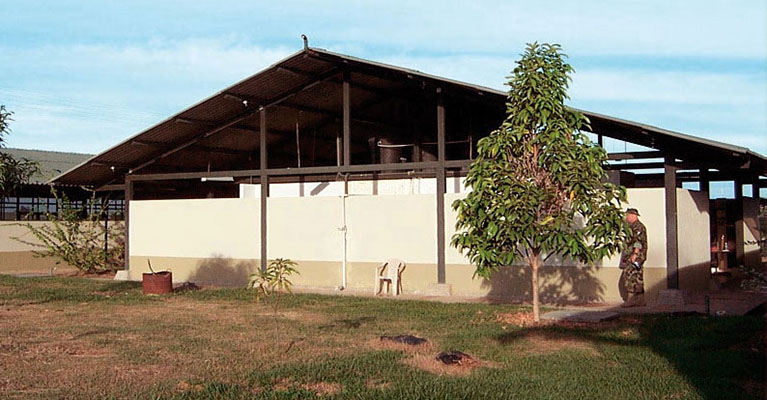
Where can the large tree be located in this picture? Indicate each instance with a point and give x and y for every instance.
(538, 184)
(13, 172)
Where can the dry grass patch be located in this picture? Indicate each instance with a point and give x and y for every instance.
(158, 343)
(282, 385)
(185, 386)
(301, 316)
(378, 384)
(321, 388)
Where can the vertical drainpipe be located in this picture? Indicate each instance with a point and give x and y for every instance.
(344, 231)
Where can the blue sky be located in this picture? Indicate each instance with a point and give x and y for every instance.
(83, 75)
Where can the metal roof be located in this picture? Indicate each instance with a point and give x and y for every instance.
(301, 87)
(52, 163)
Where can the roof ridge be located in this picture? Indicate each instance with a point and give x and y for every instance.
(47, 151)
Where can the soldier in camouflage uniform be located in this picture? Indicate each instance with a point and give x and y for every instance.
(632, 260)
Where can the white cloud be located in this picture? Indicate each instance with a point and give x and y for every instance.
(207, 59)
(51, 128)
(112, 92)
(678, 28)
(687, 87)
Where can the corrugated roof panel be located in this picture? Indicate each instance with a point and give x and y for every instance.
(51, 163)
(291, 73)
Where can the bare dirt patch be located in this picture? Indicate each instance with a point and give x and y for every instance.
(515, 319)
(429, 363)
(322, 388)
(546, 343)
(424, 356)
(377, 343)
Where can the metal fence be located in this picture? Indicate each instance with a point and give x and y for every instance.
(36, 208)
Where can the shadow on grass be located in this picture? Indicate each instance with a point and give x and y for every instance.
(723, 358)
(349, 323)
(558, 285)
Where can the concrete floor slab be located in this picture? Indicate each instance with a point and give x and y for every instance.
(579, 316)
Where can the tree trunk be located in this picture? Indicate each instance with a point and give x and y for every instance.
(534, 264)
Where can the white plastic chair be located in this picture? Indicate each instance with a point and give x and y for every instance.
(390, 271)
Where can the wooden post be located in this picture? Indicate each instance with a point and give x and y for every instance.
(440, 175)
(672, 243)
(264, 184)
(128, 198)
(347, 119)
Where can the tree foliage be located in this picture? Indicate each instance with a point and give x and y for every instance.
(13, 172)
(538, 184)
(76, 236)
(5, 122)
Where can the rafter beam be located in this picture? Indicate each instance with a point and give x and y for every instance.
(353, 169)
(247, 114)
(652, 165)
(211, 149)
(115, 164)
(635, 155)
(242, 116)
(315, 110)
(212, 124)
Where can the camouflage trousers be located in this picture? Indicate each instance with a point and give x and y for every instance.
(633, 279)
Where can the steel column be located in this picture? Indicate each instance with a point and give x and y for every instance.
(347, 119)
(128, 199)
(704, 180)
(672, 243)
(440, 197)
(264, 184)
(740, 233)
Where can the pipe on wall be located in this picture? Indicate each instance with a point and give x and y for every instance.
(344, 230)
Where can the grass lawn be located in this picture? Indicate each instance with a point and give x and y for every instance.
(80, 338)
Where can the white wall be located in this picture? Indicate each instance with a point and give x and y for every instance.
(305, 228)
(694, 227)
(383, 227)
(650, 203)
(204, 228)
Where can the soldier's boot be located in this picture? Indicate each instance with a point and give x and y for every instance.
(630, 300)
(639, 300)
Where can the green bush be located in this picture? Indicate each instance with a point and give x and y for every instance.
(77, 237)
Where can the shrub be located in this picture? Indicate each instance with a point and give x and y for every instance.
(77, 237)
(274, 279)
